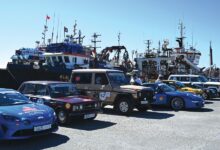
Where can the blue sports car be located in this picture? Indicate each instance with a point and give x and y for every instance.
(165, 95)
(21, 118)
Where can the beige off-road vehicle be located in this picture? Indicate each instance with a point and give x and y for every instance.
(112, 88)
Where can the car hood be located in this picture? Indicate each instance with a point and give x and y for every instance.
(27, 110)
(184, 94)
(75, 99)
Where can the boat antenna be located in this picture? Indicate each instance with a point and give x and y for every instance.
(119, 38)
(211, 56)
(60, 31)
(53, 28)
(58, 23)
(94, 41)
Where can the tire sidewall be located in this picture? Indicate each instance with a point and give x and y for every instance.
(172, 103)
(126, 101)
(58, 117)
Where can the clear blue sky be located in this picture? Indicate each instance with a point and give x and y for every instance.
(138, 20)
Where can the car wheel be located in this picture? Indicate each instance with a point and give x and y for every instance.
(177, 103)
(124, 106)
(204, 95)
(62, 116)
(142, 108)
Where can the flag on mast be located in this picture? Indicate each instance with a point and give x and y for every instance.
(47, 17)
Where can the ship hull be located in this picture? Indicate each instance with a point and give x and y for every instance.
(23, 73)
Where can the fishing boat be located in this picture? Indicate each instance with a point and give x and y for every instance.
(166, 61)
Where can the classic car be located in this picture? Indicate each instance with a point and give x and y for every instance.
(20, 118)
(181, 87)
(63, 98)
(166, 95)
(111, 87)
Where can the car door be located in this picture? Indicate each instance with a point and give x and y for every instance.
(161, 97)
(102, 86)
(83, 82)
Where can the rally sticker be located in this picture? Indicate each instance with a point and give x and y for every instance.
(161, 98)
(104, 95)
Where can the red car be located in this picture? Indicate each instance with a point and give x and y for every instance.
(62, 97)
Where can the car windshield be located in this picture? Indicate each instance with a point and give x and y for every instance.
(62, 90)
(117, 78)
(166, 88)
(180, 84)
(12, 98)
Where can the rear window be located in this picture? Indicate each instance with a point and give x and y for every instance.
(82, 78)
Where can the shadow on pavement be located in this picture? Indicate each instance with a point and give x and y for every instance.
(137, 114)
(201, 110)
(36, 143)
(89, 125)
(208, 102)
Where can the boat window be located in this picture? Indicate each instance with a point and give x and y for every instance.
(41, 90)
(74, 59)
(48, 60)
(100, 78)
(66, 59)
(60, 59)
(54, 59)
(28, 89)
(194, 79)
(82, 78)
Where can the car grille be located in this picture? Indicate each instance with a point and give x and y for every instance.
(89, 106)
(148, 94)
(30, 132)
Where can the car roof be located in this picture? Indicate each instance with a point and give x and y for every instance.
(184, 75)
(45, 82)
(96, 70)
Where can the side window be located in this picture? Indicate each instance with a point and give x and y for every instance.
(82, 78)
(100, 78)
(41, 90)
(28, 89)
(184, 79)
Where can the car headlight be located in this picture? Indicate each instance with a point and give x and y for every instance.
(11, 118)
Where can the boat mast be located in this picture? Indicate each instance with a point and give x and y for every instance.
(45, 30)
(94, 41)
(148, 43)
(119, 38)
(180, 40)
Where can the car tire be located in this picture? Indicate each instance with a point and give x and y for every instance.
(62, 117)
(205, 95)
(124, 106)
(177, 103)
(142, 108)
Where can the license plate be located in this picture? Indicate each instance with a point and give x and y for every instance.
(41, 128)
(144, 102)
(87, 116)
